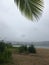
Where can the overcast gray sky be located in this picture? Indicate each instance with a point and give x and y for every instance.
(15, 27)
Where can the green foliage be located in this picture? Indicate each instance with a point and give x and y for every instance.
(31, 49)
(5, 52)
(2, 47)
(30, 8)
(23, 49)
(9, 45)
(5, 57)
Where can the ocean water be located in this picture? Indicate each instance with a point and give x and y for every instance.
(34, 46)
(41, 46)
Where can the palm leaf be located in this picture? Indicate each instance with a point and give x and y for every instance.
(30, 8)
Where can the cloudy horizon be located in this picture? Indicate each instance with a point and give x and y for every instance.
(16, 27)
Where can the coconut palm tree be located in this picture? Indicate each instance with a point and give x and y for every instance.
(32, 9)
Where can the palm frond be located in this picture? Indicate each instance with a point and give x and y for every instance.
(30, 8)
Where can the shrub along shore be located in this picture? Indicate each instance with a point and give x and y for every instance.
(6, 50)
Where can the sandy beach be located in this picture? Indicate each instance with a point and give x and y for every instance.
(40, 58)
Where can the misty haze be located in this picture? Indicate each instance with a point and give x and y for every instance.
(16, 27)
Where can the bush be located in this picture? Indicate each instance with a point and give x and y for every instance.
(9, 45)
(2, 47)
(23, 49)
(5, 57)
(31, 49)
(5, 52)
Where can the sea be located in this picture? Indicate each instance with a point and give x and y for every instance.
(34, 46)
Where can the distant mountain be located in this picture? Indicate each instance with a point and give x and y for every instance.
(44, 43)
